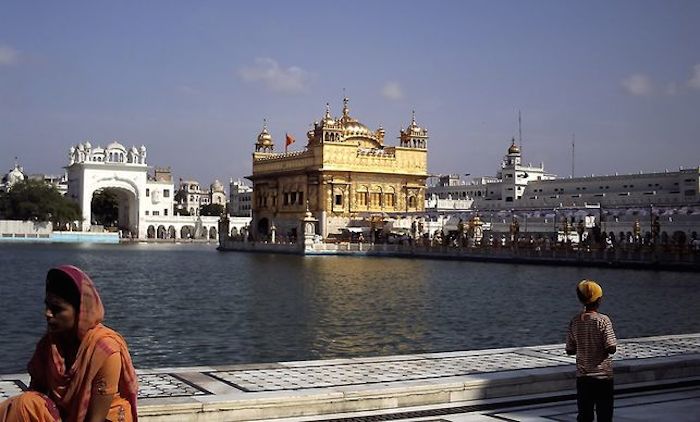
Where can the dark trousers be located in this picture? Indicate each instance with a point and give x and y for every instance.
(594, 393)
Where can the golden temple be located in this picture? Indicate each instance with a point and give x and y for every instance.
(345, 173)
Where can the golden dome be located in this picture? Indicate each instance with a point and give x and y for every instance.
(355, 128)
(514, 149)
(413, 129)
(265, 138)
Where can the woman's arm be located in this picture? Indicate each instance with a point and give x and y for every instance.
(104, 387)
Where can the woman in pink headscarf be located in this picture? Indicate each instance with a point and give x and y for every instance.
(81, 370)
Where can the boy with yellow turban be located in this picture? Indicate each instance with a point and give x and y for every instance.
(592, 339)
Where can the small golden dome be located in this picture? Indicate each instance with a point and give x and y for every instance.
(413, 129)
(327, 118)
(514, 149)
(265, 138)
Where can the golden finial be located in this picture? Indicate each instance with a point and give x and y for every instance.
(346, 110)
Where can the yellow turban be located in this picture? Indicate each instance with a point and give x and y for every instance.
(590, 291)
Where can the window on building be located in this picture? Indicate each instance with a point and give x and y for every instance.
(338, 200)
(146, 212)
(293, 198)
(148, 192)
(166, 193)
(375, 198)
(156, 213)
(165, 211)
(390, 200)
(362, 198)
(411, 201)
(301, 197)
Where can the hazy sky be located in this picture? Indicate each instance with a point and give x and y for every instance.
(193, 80)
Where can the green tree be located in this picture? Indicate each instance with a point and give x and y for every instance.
(212, 210)
(182, 211)
(34, 200)
(105, 207)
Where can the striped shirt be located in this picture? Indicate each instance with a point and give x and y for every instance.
(590, 335)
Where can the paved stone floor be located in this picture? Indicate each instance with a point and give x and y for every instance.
(677, 405)
(672, 404)
(205, 384)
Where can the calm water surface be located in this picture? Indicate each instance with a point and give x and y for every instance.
(181, 305)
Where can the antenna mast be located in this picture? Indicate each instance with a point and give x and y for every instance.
(573, 154)
(520, 131)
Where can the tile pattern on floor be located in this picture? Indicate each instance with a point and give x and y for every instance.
(318, 376)
(166, 385)
(150, 385)
(639, 349)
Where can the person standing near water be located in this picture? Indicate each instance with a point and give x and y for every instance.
(81, 371)
(592, 339)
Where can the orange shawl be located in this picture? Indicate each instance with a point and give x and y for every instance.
(71, 387)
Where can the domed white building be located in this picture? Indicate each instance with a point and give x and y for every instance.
(13, 176)
(145, 202)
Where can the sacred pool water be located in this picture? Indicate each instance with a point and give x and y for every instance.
(183, 305)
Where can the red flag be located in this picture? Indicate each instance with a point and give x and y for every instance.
(289, 140)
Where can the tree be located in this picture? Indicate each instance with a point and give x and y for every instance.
(214, 210)
(182, 211)
(105, 207)
(35, 200)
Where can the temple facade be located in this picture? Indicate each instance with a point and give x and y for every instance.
(345, 175)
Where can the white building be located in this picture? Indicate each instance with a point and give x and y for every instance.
(145, 204)
(191, 197)
(518, 186)
(17, 175)
(217, 194)
(240, 199)
(13, 176)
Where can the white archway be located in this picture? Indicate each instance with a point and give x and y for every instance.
(128, 200)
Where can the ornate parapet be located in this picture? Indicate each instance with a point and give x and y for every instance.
(272, 163)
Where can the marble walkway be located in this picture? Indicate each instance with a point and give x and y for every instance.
(453, 386)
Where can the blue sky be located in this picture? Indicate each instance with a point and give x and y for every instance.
(193, 80)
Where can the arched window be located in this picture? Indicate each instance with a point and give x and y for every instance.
(362, 196)
(411, 201)
(390, 198)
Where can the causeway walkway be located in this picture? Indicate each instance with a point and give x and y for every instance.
(657, 378)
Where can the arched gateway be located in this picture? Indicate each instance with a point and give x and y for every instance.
(144, 202)
(125, 173)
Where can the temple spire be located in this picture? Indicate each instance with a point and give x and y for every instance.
(346, 109)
